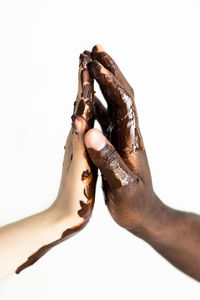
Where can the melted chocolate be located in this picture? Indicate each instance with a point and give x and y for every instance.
(43, 250)
(82, 107)
(126, 170)
(86, 210)
(85, 174)
(109, 161)
(85, 213)
(135, 206)
(123, 128)
(88, 190)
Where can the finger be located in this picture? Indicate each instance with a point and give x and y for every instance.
(110, 86)
(83, 104)
(105, 157)
(125, 133)
(81, 170)
(98, 53)
(101, 115)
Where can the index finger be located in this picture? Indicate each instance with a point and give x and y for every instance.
(84, 100)
(98, 53)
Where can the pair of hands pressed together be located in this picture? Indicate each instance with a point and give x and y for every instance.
(120, 156)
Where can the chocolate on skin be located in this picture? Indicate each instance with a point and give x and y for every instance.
(122, 128)
(84, 113)
(123, 120)
(85, 174)
(127, 183)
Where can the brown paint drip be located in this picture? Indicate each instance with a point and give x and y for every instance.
(83, 108)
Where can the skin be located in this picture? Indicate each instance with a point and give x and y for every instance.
(22, 243)
(120, 155)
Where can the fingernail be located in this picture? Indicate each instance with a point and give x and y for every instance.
(98, 48)
(76, 124)
(94, 139)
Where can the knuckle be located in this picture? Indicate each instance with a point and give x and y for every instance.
(111, 159)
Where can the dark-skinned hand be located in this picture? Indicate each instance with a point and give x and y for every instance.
(127, 184)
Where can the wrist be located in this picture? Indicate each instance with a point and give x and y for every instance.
(155, 221)
(63, 220)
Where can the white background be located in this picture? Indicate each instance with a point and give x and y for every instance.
(156, 44)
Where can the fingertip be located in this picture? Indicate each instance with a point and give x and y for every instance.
(98, 48)
(84, 59)
(94, 139)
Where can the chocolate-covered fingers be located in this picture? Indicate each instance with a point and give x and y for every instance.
(83, 104)
(124, 128)
(98, 53)
(79, 183)
(110, 86)
(105, 157)
(124, 191)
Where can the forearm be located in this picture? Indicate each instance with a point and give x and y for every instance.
(20, 240)
(176, 236)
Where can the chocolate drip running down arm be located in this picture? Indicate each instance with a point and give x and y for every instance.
(22, 243)
(120, 155)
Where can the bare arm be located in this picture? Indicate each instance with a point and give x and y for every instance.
(120, 155)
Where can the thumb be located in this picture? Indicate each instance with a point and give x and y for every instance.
(105, 157)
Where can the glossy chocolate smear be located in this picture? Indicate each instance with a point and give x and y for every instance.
(112, 165)
(123, 128)
(84, 105)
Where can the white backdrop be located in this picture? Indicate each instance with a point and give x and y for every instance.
(156, 44)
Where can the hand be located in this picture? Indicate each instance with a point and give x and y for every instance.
(127, 183)
(73, 207)
(121, 157)
(75, 198)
